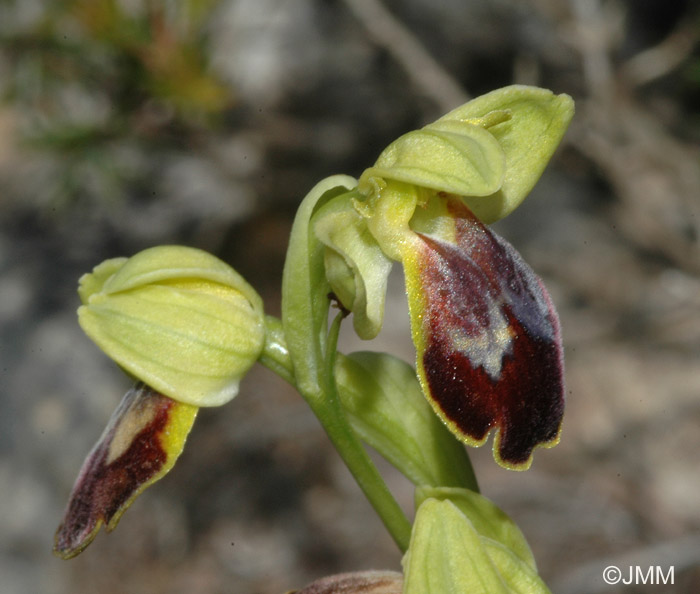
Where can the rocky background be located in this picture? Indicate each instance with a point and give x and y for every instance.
(130, 123)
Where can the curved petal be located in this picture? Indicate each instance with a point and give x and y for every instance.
(489, 352)
(447, 156)
(355, 265)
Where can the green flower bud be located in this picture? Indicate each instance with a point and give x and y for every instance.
(448, 554)
(176, 318)
(488, 519)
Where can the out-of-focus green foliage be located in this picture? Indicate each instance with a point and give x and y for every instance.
(92, 80)
(142, 58)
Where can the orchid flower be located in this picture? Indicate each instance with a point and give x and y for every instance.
(188, 327)
(488, 345)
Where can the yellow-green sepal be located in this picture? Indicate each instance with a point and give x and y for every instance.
(535, 124)
(162, 264)
(176, 318)
(487, 518)
(448, 555)
(305, 288)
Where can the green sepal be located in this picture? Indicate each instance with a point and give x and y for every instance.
(356, 267)
(528, 138)
(165, 263)
(305, 289)
(92, 282)
(386, 407)
(176, 318)
(448, 555)
(487, 518)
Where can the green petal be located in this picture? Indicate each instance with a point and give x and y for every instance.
(453, 156)
(356, 267)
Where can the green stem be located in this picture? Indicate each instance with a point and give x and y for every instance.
(327, 408)
(275, 355)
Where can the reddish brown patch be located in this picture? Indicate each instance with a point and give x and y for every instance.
(514, 383)
(103, 489)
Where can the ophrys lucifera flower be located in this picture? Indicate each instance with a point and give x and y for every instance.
(188, 328)
(489, 353)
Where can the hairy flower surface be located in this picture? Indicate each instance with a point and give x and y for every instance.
(488, 345)
(489, 352)
(140, 444)
(188, 327)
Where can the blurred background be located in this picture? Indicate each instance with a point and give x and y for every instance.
(130, 123)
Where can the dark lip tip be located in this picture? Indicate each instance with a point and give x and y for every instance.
(70, 551)
(65, 554)
(65, 550)
(68, 545)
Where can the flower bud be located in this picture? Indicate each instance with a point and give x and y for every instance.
(448, 553)
(487, 518)
(176, 318)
